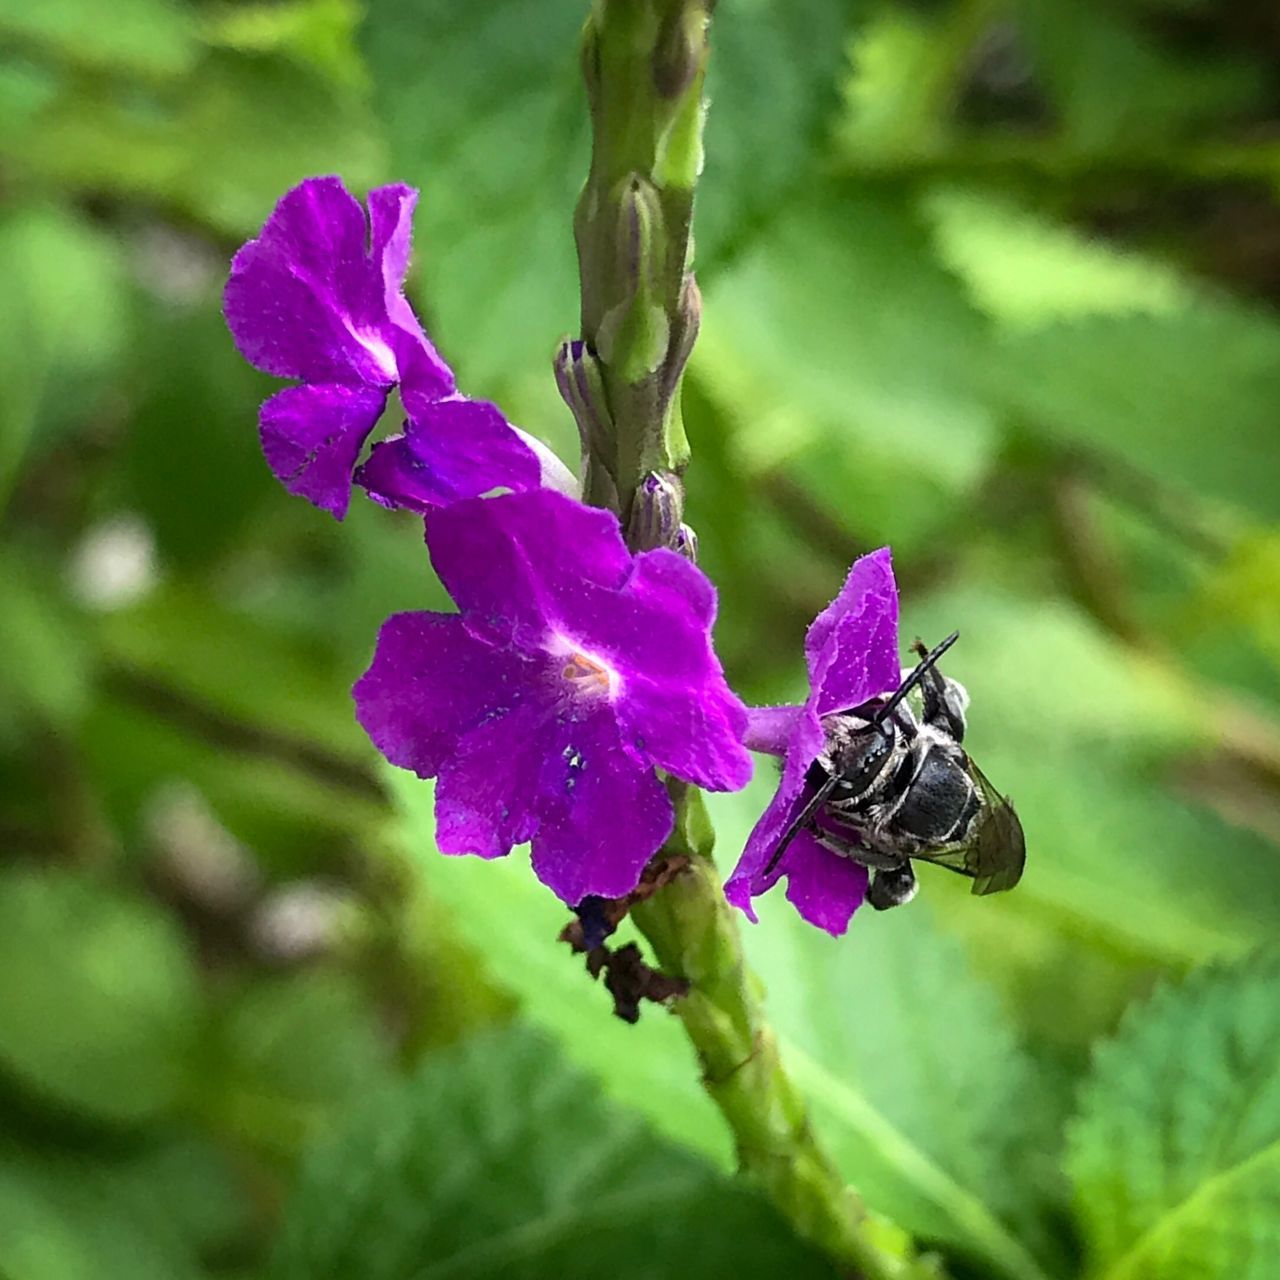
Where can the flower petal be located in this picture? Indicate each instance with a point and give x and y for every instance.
(499, 557)
(430, 683)
(487, 794)
(769, 729)
(308, 300)
(824, 888)
(748, 879)
(674, 706)
(852, 646)
(312, 436)
(451, 449)
(602, 815)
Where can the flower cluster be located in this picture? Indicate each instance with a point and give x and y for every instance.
(574, 668)
(318, 296)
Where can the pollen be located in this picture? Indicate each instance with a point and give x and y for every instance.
(587, 674)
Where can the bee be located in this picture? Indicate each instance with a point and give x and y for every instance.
(892, 784)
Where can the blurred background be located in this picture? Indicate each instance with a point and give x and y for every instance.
(991, 281)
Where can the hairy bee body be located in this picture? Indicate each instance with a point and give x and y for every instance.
(893, 784)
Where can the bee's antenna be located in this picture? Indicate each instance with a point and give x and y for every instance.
(815, 803)
(923, 667)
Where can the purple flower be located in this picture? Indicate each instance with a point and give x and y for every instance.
(572, 669)
(318, 296)
(852, 654)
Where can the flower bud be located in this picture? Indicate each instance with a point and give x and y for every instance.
(686, 543)
(656, 511)
(634, 335)
(681, 50)
(684, 334)
(581, 386)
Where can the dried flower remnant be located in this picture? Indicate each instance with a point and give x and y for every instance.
(852, 654)
(318, 296)
(573, 671)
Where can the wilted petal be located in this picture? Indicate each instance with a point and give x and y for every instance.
(602, 815)
(431, 683)
(312, 436)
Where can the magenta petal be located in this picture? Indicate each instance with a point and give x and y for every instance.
(769, 729)
(468, 448)
(430, 683)
(824, 888)
(748, 879)
(312, 436)
(302, 300)
(312, 297)
(486, 798)
(602, 816)
(499, 557)
(674, 707)
(852, 646)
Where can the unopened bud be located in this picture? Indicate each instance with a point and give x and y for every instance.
(582, 387)
(684, 333)
(686, 543)
(681, 50)
(655, 511)
(634, 335)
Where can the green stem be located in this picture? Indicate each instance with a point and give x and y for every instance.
(695, 935)
(644, 63)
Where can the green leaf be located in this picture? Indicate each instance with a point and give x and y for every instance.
(485, 112)
(201, 146)
(900, 1137)
(1115, 86)
(197, 490)
(1025, 270)
(66, 1217)
(63, 318)
(497, 1160)
(143, 37)
(771, 84)
(292, 1054)
(839, 334)
(1175, 1155)
(97, 996)
(511, 922)
(44, 673)
(1158, 390)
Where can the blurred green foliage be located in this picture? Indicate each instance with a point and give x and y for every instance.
(992, 281)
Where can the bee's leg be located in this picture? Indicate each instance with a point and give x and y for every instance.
(945, 700)
(862, 854)
(892, 888)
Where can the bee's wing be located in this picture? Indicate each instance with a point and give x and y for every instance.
(995, 852)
